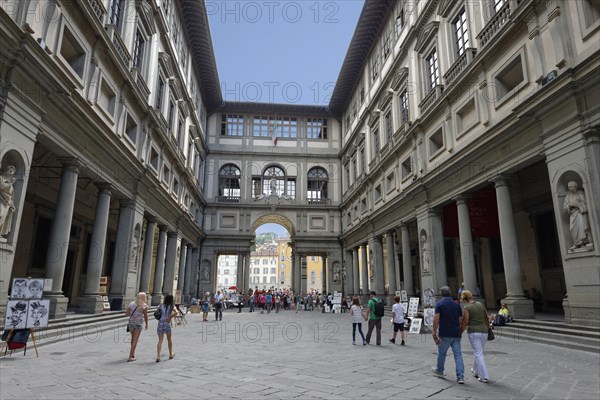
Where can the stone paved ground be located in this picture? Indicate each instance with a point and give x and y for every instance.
(305, 355)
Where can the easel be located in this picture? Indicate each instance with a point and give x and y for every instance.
(180, 316)
(10, 335)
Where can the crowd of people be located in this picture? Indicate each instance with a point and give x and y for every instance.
(449, 322)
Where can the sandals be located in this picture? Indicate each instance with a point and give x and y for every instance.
(171, 356)
(158, 360)
(130, 359)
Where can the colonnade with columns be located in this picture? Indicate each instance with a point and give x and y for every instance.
(126, 278)
(367, 270)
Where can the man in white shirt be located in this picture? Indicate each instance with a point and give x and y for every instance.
(398, 320)
(219, 306)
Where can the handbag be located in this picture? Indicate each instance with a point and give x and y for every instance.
(128, 322)
(158, 313)
(490, 334)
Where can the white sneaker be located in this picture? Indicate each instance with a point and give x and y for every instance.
(483, 380)
(474, 373)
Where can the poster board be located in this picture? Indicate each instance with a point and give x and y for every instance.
(403, 296)
(413, 306)
(105, 303)
(16, 314)
(38, 313)
(428, 314)
(415, 326)
(27, 288)
(337, 298)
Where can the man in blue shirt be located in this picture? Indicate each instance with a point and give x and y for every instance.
(449, 319)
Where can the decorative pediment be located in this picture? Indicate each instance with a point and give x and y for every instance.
(165, 62)
(445, 7)
(385, 99)
(146, 18)
(400, 76)
(426, 36)
(373, 118)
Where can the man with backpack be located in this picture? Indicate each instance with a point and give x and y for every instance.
(376, 312)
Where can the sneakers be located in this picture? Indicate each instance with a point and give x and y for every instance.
(364, 342)
(474, 373)
(482, 380)
(353, 342)
(461, 381)
(402, 344)
(437, 373)
(392, 340)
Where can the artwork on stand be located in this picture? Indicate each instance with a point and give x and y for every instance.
(37, 316)
(415, 326)
(413, 306)
(428, 314)
(23, 288)
(405, 307)
(403, 295)
(16, 314)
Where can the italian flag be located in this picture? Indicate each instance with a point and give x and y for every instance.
(274, 134)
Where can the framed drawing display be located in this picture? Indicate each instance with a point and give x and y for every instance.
(428, 314)
(25, 288)
(415, 326)
(403, 295)
(413, 306)
(16, 314)
(37, 314)
(405, 307)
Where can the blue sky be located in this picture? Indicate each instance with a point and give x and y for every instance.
(278, 229)
(281, 51)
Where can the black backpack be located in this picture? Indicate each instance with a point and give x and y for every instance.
(379, 308)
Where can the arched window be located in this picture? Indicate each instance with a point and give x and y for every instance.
(316, 185)
(274, 181)
(229, 181)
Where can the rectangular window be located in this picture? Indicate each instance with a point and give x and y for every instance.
(107, 98)
(154, 158)
(138, 51)
(232, 125)
(461, 32)
(316, 128)
(180, 131)
(509, 78)
(404, 107)
(388, 126)
(375, 67)
(591, 12)
(131, 129)
(291, 188)
(159, 93)
(399, 21)
(406, 168)
(432, 69)
(363, 162)
(72, 52)
(376, 141)
(436, 142)
(354, 169)
(347, 181)
(171, 114)
(115, 13)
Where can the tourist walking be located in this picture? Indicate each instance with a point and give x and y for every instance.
(374, 320)
(218, 306)
(167, 311)
(477, 321)
(356, 312)
(398, 320)
(138, 316)
(448, 319)
(205, 307)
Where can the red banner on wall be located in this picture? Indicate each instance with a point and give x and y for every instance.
(483, 214)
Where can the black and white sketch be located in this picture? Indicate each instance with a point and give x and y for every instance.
(413, 306)
(19, 288)
(428, 314)
(428, 298)
(415, 326)
(35, 288)
(16, 314)
(37, 316)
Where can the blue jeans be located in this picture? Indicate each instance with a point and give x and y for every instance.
(445, 343)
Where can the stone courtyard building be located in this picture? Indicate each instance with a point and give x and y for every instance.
(461, 144)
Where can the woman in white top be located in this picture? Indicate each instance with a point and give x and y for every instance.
(357, 317)
(398, 320)
(138, 315)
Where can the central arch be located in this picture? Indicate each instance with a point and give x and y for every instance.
(275, 219)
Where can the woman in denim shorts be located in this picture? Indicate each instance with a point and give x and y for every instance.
(138, 316)
(167, 311)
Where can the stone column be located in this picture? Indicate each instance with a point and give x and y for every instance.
(356, 271)
(466, 244)
(147, 259)
(247, 267)
(518, 305)
(364, 272)
(185, 284)
(349, 275)
(91, 300)
(376, 247)
(159, 270)
(391, 262)
(182, 264)
(58, 245)
(296, 268)
(303, 286)
(194, 273)
(170, 263)
(239, 280)
(407, 261)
